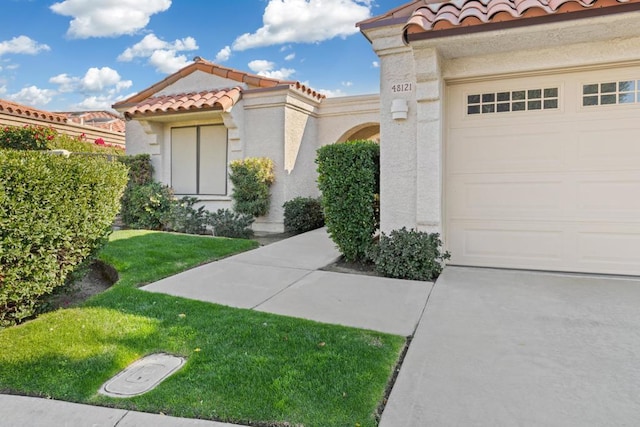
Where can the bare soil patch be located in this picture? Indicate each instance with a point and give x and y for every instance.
(98, 278)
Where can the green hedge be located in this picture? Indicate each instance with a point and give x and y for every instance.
(140, 169)
(54, 213)
(252, 178)
(302, 214)
(349, 182)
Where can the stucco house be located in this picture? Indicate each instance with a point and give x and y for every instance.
(197, 120)
(522, 139)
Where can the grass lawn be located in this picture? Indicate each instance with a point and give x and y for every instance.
(242, 366)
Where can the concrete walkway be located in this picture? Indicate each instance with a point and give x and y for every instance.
(514, 348)
(283, 278)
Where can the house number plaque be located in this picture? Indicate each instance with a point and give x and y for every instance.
(402, 87)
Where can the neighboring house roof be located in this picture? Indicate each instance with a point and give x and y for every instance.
(101, 119)
(215, 100)
(15, 109)
(474, 13)
(145, 102)
(428, 18)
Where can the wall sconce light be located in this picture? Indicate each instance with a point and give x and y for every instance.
(399, 109)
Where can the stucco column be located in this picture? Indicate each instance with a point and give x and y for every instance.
(397, 136)
(429, 138)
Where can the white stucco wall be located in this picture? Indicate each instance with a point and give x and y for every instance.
(412, 150)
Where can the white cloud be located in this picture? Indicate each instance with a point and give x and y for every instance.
(347, 84)
(305, 21)
(33, 96)
(3, 90)
(95, 81)
(266, 69)
(375, 64)
(23, 45)
(224, 54)
(166, 61)
(108, 18)
(161, 54)
(290, 57)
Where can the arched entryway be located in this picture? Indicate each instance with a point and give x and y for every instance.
(369, 131)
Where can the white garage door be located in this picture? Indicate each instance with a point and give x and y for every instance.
(544, 172)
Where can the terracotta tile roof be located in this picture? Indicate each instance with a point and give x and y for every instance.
(199, 64)
(221, 100)
(101, 119)
(471, 13)
(15, 109)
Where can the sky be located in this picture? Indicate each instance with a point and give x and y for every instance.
(74, 55)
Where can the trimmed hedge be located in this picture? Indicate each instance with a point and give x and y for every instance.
(54, 214)
(302, 214)
(251, 180)
(349, 181)
(409, 254)
(140, 169)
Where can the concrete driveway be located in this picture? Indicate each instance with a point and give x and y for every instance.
(510, 348)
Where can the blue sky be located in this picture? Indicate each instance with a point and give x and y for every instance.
(68, 55)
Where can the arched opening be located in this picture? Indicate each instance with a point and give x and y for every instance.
(370, 131)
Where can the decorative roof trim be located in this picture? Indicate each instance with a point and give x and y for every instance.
(467, 16)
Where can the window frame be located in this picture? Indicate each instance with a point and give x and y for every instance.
(198, 159)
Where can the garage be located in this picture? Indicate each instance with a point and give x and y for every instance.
(543, 171)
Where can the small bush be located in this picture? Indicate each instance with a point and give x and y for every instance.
(144, 206)
(348, 177)
(226, 223)
(140, 169)
(182, 217)
(412, 255)
(251, 180)
(54, 215)
(302, 214)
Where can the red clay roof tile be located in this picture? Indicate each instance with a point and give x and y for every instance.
(465, 13)
(221, 100)
(101, 119)
(22, 110)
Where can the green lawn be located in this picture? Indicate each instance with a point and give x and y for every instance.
(242, 366)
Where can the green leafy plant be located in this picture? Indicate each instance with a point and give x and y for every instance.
(348, 177)
(143, 206)
(252, 178)
(303, 214)
(226, 223)
(79, 144)
(183, 217)
(409, 254)
(55, 213)
(27, 137)
(140, 169)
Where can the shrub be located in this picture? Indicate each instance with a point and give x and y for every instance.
(302, 214)
(80, 144)
(182, 217)
(226, 223)
(27, 137)
(54, 214)
(251, 180)
(349, 181)
(143, 206)
(405, 254)
(39, 138)
(140, 169)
